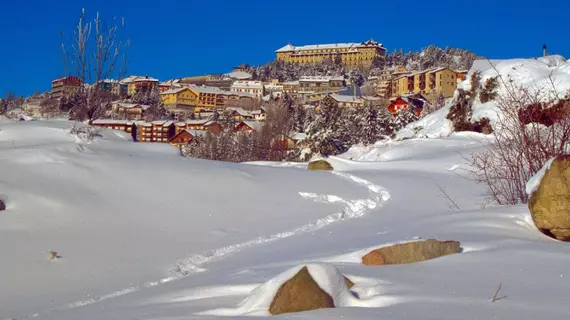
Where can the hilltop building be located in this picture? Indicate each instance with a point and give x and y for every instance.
(350, 54)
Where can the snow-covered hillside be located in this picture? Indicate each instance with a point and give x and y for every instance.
(147, 234)
(550, 75)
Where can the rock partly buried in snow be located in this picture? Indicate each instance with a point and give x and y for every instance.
(411, 252)
(303, 293)
(2, 205)
(549, 204)
(319, 165)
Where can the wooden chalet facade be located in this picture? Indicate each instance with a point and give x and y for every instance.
(185, 137)
(248, 126)
(415, 101)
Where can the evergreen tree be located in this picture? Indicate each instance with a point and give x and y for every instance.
(404, 117)
(323, 131)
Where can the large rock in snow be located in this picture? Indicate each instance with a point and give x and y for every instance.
(549, 204)
(2, 205)
(319, 165)
(302, 292)
(411, 252)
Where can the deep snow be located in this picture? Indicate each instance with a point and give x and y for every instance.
(147, 234)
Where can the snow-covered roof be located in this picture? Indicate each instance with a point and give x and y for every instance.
(196, 133)
(240, 111)
(291, 48)
(240, 75)
(298, 136)
(164, 123)
(321, 78)
(146, 79)
(129, 79)
(255, 125)
(197, 122)
(174, 91)
(342, 98)
(112, 121)
(439, 69)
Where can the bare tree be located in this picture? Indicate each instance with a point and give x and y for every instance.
(368, 89)
(97, 52)
(532, 126)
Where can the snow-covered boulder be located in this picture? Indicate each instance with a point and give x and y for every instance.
(315, 286)
(302, 288)
(411, 252)
(549, 201)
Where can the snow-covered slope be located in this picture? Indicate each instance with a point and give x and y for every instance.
(551, 74)
(124, 216)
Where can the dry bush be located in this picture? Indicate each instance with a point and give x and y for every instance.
(489, 91)
(522, 144)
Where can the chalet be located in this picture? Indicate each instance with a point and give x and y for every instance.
(461, 75)
(248, 126)
(185, 137)
(415, 101)
(259, 115)
(240, 114)
(123, 125)
(130, 109)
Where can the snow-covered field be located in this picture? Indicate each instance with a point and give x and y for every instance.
(147, 234)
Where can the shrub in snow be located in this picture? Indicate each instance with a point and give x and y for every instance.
(411, 252)
(549, 204)
(521, 144)
(489, 91)
(85, 132)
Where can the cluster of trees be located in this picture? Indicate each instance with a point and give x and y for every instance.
(432, 57)
(330, 130)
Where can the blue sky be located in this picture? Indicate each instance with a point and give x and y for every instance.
(179, 38)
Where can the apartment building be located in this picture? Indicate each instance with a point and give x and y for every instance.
(65, 86)
(441, 81)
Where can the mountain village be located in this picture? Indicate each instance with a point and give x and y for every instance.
(199, 104)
